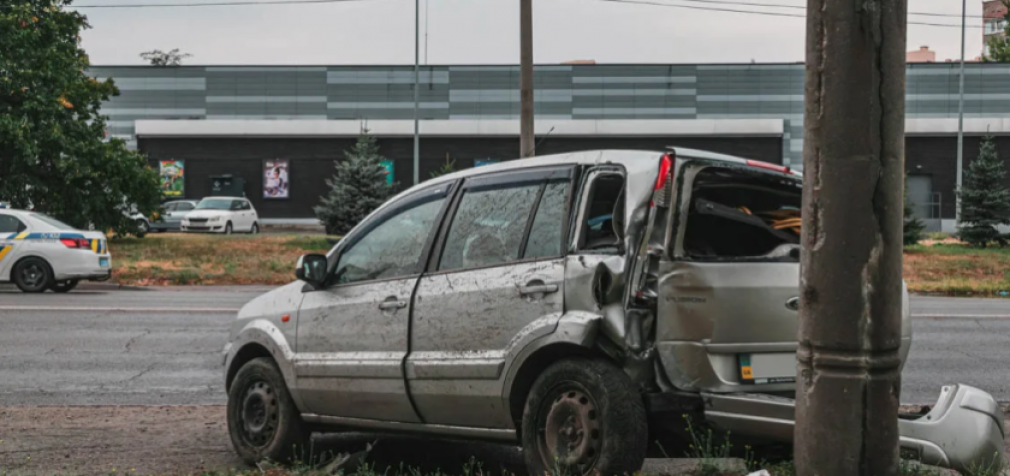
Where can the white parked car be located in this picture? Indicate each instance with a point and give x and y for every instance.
(222, 215)
(38, 252)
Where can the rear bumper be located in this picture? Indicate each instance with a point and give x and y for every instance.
(963, 431)
(85, 266)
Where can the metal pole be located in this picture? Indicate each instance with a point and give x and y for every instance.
(960, 114)
(526, 78)
(427, 7)
(848, 381)
(417, 82)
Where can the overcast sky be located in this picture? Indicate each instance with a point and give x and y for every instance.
(478, 32)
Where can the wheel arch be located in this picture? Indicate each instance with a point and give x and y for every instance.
(533, 366)
(14, 265)
(248, 352)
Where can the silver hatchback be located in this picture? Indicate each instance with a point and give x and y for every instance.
(576, 304)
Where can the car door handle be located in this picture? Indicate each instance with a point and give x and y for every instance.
(532, 289)
(392, 305)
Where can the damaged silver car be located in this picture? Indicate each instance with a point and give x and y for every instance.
(577, 304)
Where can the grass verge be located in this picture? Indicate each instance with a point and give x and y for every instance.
(954, 268)
(174, 259)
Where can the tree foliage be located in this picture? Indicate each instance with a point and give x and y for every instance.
(53, 152)
(985, 198)
(358, 186)
(999, 46)
(913, 226)
(163, 58)
(447, 168)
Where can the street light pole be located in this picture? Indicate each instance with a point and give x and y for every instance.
(960, 114)
(526, 78)
(417, 81)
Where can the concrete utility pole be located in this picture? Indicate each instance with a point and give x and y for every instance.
(850, 313)
(526, 78)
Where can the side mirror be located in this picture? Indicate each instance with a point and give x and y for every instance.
(312, 269)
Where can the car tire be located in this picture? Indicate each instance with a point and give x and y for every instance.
(227, 228)
(64, 286)
(32, 275)
(591, 408)
(255, 229)
(263, 422)
(143, 228)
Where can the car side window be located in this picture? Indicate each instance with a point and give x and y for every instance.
(236, 205)
(169, 207)
(488, 227)
(183, 206)
(391, 249)
(10, 224)
(546, 240)
(246, 205)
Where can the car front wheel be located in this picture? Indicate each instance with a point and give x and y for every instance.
(227, 228)
(263, 421)
(584, 416)
(33, 275)
(64, 286)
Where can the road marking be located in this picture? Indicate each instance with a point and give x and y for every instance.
(121, 309)
(961, 316)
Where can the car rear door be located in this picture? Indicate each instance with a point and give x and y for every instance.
(728, 290)
(352, 334)
(499, 267)
(11, 229)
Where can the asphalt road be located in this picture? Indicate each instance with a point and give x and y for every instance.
(164, 347)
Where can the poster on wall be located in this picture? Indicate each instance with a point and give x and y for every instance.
(173, 177)
(275, 178)
(483, 162)
(388, 165)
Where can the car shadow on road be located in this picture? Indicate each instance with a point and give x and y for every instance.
(397, 454)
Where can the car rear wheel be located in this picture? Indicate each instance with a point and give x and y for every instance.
(584, 416)
(64, 286)
(255, 228)
(263, 421)
(143, 228)
(227, 228)
(33, 275)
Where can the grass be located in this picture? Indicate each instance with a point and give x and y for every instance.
(178, 259)
(950, 267)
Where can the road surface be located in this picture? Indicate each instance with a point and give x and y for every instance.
(164, 347)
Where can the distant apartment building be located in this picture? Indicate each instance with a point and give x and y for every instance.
(994, 21)
(922, 55)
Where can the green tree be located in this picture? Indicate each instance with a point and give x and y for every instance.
(447, 168)
(358, 186)
(985, 198)
(999, 47)
(53, 152)
(913, 225)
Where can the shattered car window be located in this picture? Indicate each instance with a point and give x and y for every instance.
(488, 227)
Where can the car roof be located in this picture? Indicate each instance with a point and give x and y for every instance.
(222, 198)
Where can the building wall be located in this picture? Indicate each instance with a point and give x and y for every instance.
(937, 157)
(740, 91)
(312, 159)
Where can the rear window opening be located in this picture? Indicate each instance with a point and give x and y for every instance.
(603, 226)
(741, 214)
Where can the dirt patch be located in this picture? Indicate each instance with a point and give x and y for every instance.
(127, 440)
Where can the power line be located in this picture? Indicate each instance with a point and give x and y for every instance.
(753, 12)
(800, 7)
(213, 4)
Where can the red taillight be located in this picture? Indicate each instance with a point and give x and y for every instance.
(766, 165)
(75, 243)
(664, 172)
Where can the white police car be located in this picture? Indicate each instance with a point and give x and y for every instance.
(38, 252)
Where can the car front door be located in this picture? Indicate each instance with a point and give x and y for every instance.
(238, 216)
(500, 267)
(10, 228)
(352, 334)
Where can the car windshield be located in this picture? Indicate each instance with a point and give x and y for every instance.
(52, 221)
(214, 205)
